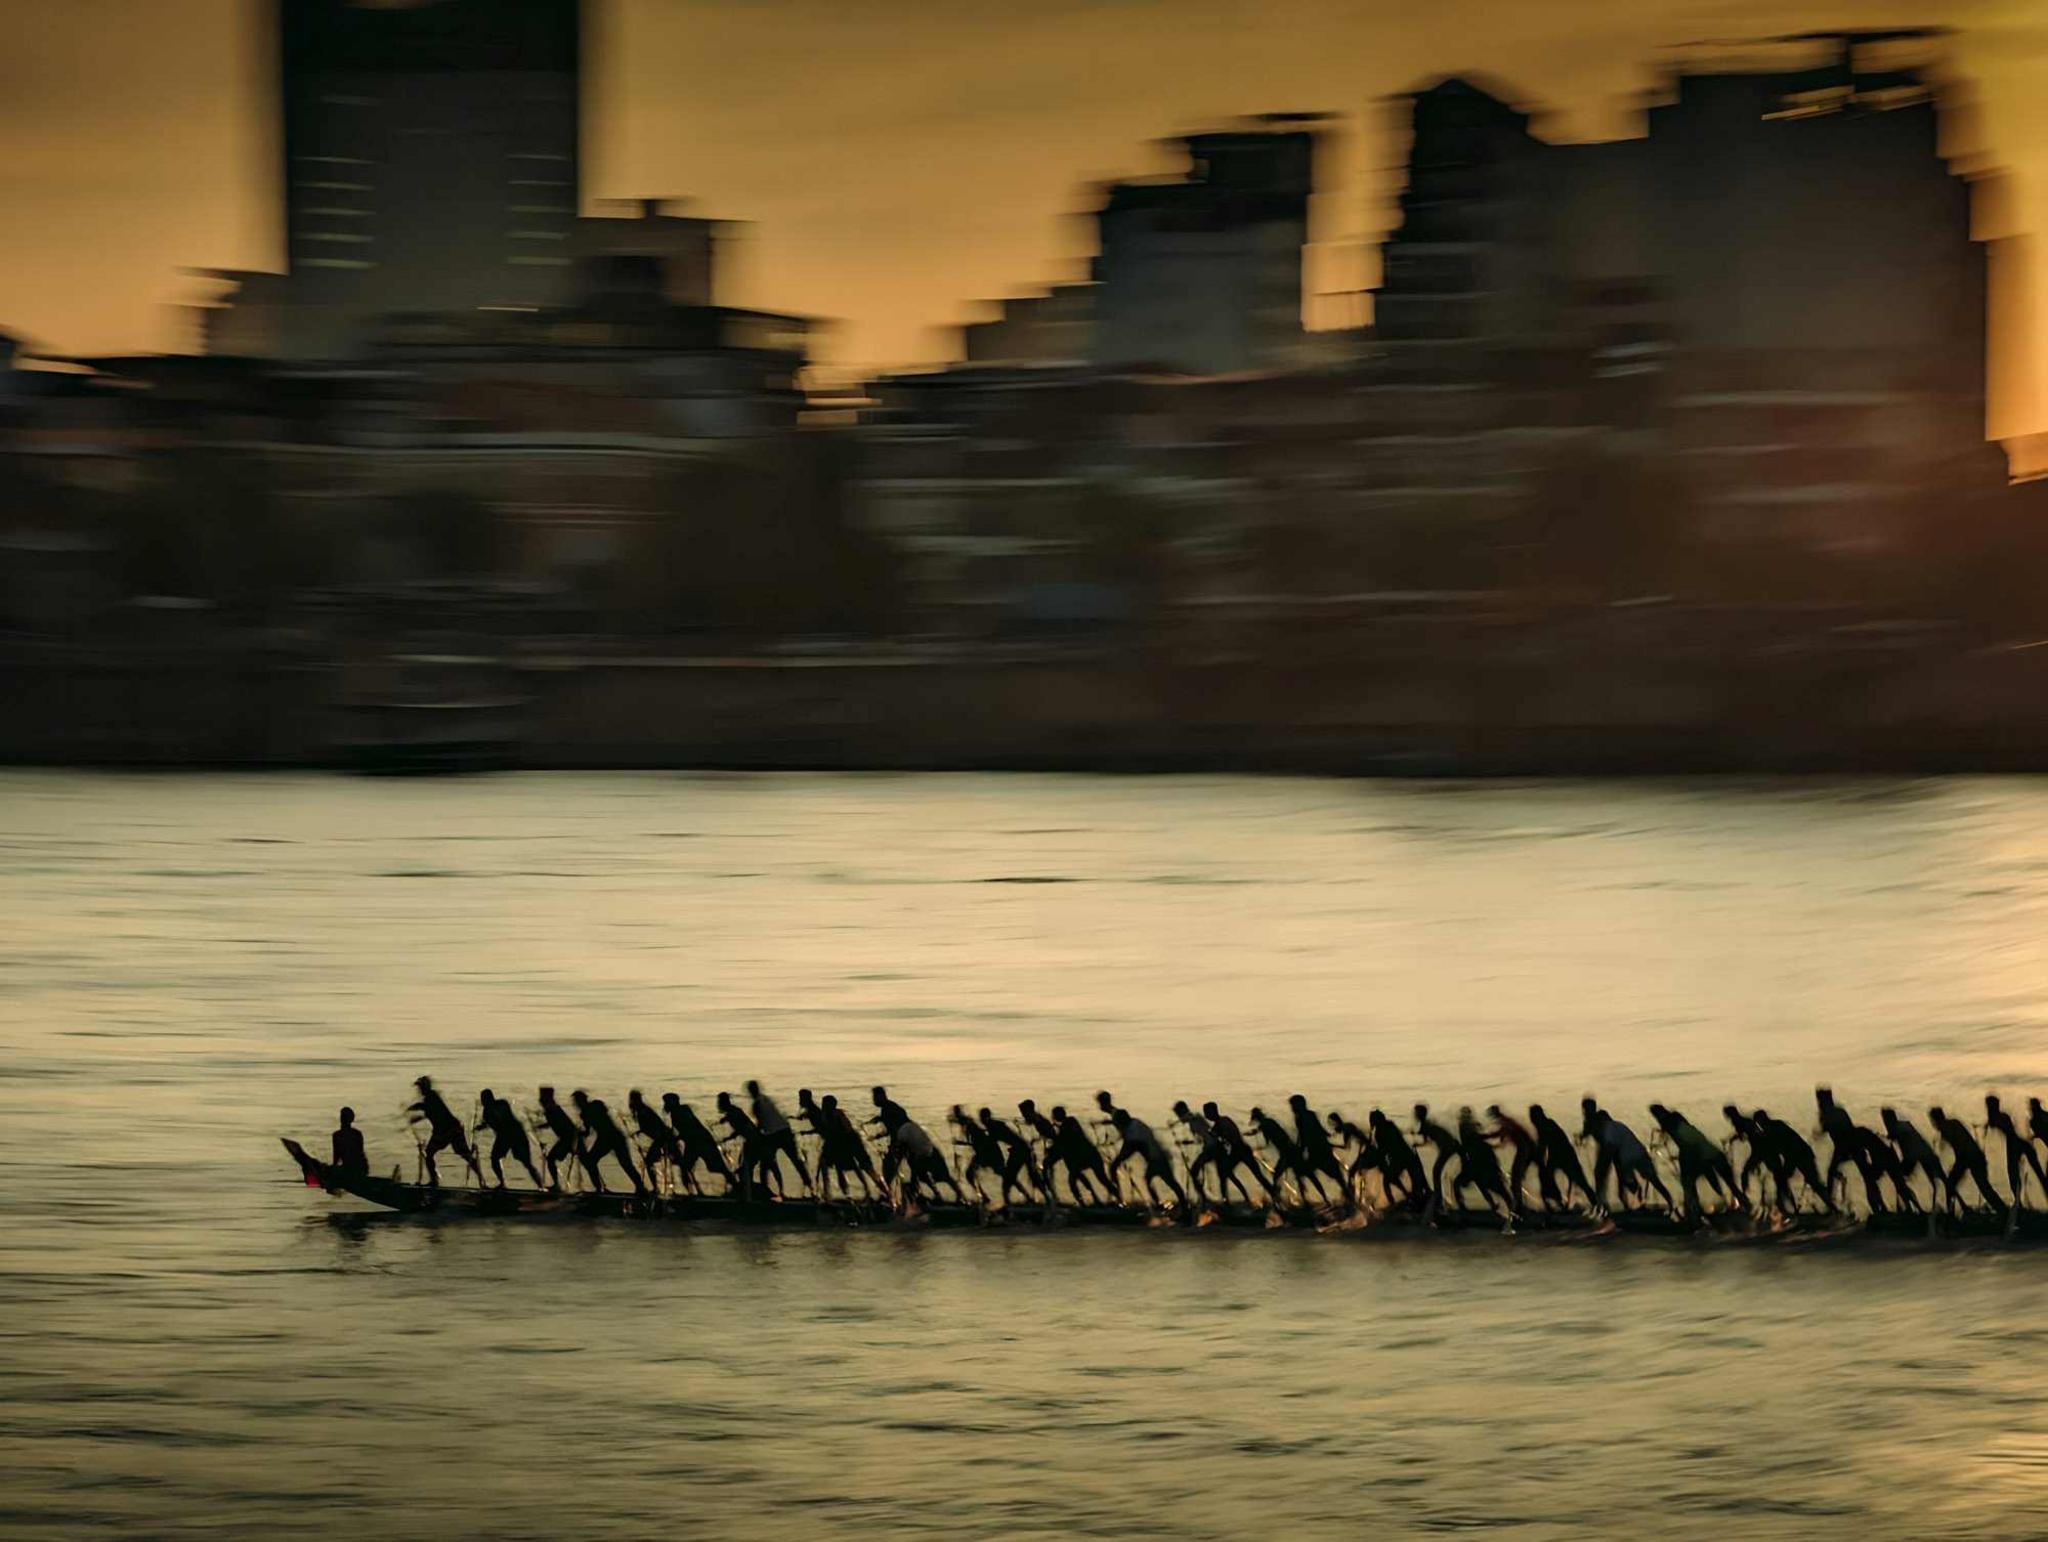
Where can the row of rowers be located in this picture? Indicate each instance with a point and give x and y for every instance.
(1311, 1157)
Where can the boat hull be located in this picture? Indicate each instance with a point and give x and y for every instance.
(415, 1199)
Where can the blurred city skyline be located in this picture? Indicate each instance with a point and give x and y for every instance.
(894, 166)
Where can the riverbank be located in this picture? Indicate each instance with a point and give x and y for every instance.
(1515, 707)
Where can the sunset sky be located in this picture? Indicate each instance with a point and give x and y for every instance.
(895, 159)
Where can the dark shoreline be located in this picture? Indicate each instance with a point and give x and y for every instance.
(1457, 715)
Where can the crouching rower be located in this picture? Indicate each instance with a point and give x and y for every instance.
(662, 1144)
(444, 1131)
(1045, 1132)
(1742, 1128)
(1365, 1152)
(568, 1140)
(1138, 1140)
(1698, 1158)
(1915, 1155)
(984, 1151)
(697, 1145)
(1558, 1168)
(602, 1138)
(1312, 1146)
(756, 1159)
(1072, 1149)
(2019, 1152)
(1969, 1161)
(1786, 1155)
(1400, 1166)
(1623, 1153)
(1020, 1168)
(917, 1155)
(1510, 1132)
(508, 1137)
(841, 1151)
(1429, 1133)
(1479, 1167)
(1851, 1145)
(1233, 1156)
(776, 1135)
(1284, 1155)
(1206, 1147)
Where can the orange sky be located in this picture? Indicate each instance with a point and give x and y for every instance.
(896, 158)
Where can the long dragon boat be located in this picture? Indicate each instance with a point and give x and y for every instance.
(420, 1199)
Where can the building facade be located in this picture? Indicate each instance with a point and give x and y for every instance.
(1203, 275)
(430, 155)
(1778, 283)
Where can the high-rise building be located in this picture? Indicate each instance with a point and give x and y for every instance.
(1780, 277)
(430, 158)
(1203, 274)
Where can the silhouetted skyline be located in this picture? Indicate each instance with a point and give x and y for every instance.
(892, 173)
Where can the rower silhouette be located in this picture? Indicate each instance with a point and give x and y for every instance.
(984, 1151)
(445, 1132)
(1787, 1155)
(1635, 1170)
(913, 1151)
(1042, 1130)
(1428, 1132)
(841, 1151)
(1699, 1159)
(1234, 1156)
(1138, 1140)
(1365, 1152)
(1849, 1144)
(1312, 1146)
(2019, 1152)
(1915, 1155)
(351, 1158)
(1204, 1139)
(508, 1137)
(1969, 1161)
(568, 1140)
(1743, 1129)
(1558, 1168)
(776, 1135)
(1510, 1133)
(662, 1144)
(1020, 1167)
(602, 1138)
(699, 1147)
(1073, 1149)
(1400, 1167)
(757, 1159)
(1285, 1155)
(1479, 1167)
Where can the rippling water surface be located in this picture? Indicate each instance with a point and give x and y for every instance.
(191, 1345)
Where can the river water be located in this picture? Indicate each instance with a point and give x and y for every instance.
(192, 1345)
